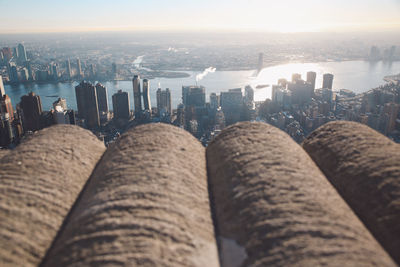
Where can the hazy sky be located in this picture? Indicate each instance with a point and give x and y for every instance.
(266, 15)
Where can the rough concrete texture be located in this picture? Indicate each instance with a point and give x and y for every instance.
(364, 166)
(273, 206)
(39, 182)
(146, 204)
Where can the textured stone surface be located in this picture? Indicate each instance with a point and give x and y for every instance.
(273, 206)
(146, 204)
(3, 152)
(364, 166)
(39, 182)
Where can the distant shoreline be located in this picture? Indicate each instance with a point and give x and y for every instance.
(181, 74)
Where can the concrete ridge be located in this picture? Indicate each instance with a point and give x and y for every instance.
(364, 167)
(146, 204)
(146, 199)
(39, 182)
(274, 207)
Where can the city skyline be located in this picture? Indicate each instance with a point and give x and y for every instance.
(177, 15)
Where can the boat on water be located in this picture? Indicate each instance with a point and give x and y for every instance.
(261, 86)
(51, 95)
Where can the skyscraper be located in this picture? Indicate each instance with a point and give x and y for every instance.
(102, 100)
(296, 77)
(2, 91)
(92, 70)
(32, 110)
(214, 101)
(137, 95)
(60, 115)
(6, 130)
(13, 72)
(88, 109)
(114, 70)
(22, 58)
(55, 71)
(311, 77)
(62, 102)
(6, 106)
(146, 95)
(249, 94)
(15, 53)
(121, 105)
(78, 68)
(327, 81)
(7, 53)
(231, 105)
(194, 96)
(68, 68)
(302, 91)
(164, 102)
(260, 65)
(30, 70)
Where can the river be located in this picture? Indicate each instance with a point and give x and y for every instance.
(358, 76)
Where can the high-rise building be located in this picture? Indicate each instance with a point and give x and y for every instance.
(260, 65)
(30, 70)
(146, 95)
(137, 96)
(249, 94)
(2, 90)
(194, 96)
(62, 102)
(15, 53)
(92, 70)
(55, 71)
(32, 110)
(327, 81)
(79, 73)
(302, 91)
(71, 114)
(392, 111)
(180, 116)
(6, 106)
(214, 101)
(42, 75)
(311, 78)
(24, 74)
(6, 130)
(102, 100)
(7, 53)
(114, 70)
(231, 105)
(13, 72)
(164, 102)
(22, 58)
(68, 69)
(121, 105)
(60, 115)
(296, 77)
(88, 109)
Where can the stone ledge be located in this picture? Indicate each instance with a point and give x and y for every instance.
(364, 166)
(146, 204)
(39, 182)
(274, 207)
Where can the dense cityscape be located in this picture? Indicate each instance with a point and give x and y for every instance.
(229, 133)
(297, 106)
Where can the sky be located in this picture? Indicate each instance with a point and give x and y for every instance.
(25, 16)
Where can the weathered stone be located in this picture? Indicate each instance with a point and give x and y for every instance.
(39, 182)
(146, 204)
(273, 206)
(364, 166)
